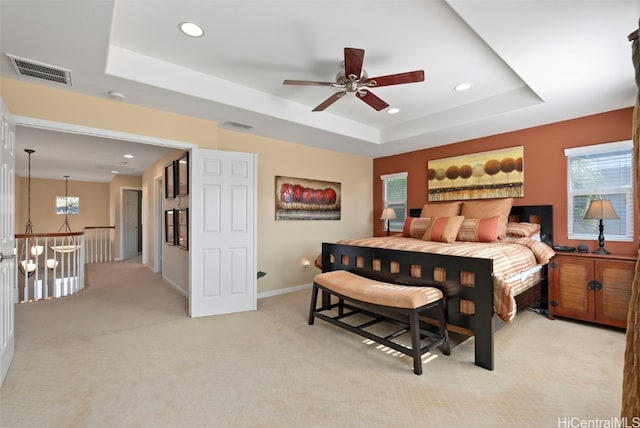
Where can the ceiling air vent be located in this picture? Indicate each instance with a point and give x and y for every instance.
(39, 70)
(231, 124)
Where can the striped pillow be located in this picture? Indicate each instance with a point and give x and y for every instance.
(414, 227)
(522, 230)
(485, 208)
(479, 229)
(443, 229)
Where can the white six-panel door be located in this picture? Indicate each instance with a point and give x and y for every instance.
(222, 232)
(8, 284)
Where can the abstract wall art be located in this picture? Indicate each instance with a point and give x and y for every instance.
(307, 199)
(493, 174)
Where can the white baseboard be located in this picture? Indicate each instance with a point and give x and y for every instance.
(176, 286)
(284, 290)
(260, 295)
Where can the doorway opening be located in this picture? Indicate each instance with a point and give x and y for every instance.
(131, 230)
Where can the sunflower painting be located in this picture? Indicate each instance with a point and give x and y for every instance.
(493, 174)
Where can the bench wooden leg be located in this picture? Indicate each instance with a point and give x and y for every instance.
(446, 347)
(312, 307)
(414, 325)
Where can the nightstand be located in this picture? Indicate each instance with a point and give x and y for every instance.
(591, 287)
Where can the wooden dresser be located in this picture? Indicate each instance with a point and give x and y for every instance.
(591, 287)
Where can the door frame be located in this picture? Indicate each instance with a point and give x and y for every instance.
(50, 125)
(159, 224)
(121, 220)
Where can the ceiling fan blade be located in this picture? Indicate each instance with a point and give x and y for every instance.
(306, 83)
(353, 59)
(398, 79)
(332, 99)
(374, 101)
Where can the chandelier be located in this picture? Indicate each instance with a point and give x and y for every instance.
(30, 246)
(65, 224)
(28, 265)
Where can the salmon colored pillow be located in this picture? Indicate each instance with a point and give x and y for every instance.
(407, 227)
(441, 209)
(479, 229)
(414, 227)
(443, 229)
(485, 208)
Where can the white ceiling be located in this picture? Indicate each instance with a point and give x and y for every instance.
(530, 63)
(81, 157)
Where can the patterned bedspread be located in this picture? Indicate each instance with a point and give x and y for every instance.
(512, 259)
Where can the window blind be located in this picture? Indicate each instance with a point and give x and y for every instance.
(603, 171)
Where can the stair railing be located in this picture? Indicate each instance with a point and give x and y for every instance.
(99, 243)
(49, 265)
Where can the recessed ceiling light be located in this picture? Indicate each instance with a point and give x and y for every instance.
(118, 96)
(114, 172)
(191, 29)
(128, 156)
(462, 87)
(393, 110)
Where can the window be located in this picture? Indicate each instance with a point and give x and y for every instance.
(394, 195)
(602, 171)
(67, 205)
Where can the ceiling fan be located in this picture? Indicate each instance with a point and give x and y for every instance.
(354, 79)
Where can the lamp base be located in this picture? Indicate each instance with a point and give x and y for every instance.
(601, 250)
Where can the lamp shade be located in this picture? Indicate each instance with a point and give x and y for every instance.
(36, 250)
(388, 214)
(28, 265)
(600, 209)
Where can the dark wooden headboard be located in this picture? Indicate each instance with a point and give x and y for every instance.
(539, 214)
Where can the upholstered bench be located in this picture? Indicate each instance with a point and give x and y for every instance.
(384, 302)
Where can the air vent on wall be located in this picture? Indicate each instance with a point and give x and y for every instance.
(231, 124)
(39, 70)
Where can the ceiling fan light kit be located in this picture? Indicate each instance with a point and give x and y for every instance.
(354, 79)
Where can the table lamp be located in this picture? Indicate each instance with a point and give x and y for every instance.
(388, 214)
(600, 209)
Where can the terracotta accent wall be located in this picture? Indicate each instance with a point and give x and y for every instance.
(544, 166)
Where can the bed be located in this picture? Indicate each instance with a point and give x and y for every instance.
(480, 286)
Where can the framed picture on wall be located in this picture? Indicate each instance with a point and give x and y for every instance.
(169, 181)
(493, 174)
(182, 165)
(307, 199)
(182, 238)
(169, 228)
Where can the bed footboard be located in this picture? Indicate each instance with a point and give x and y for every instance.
(461, 279)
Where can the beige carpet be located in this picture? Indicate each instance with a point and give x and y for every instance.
(123, 353)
